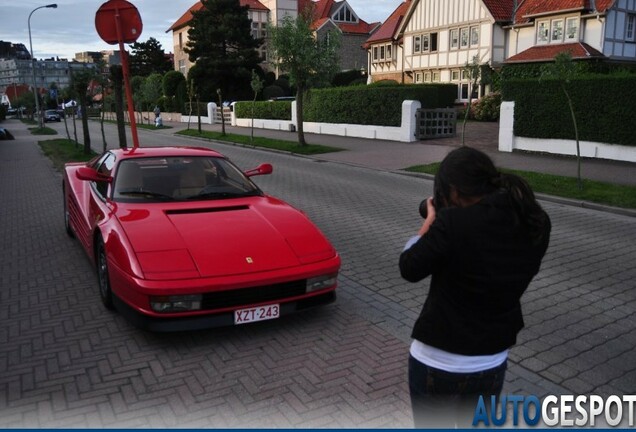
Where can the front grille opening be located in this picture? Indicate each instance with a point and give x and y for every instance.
(259, 294)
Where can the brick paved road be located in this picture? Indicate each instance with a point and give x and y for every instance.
(66, 362)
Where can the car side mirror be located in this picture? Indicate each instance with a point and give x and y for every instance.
(262, 169)
(90, 174)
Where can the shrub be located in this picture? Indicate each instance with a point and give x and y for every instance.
(264, 110)
(487, 108)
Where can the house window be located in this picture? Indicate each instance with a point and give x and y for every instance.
(426, 41)
(630, 28)
(543, 32)
(427, 77)
(255, 30)
(454, 38)
(375, 53)
(345, 15)
(388, 52)
(418, 77)
(382, 52)
(463, 39)
(474, 36)
(417, 44)
(180, 40)
(571, 29)
(557, 31)
(436, 76)
(433, 42)
(182, 66)
(455, 75)
(463, 90)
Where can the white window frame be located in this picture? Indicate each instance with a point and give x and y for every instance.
(427, 77)
(426, 42)
(630, 28)
(382, 52)
(571, 23)
(557, 30)
(474, 36)
(455, 74)
(376, 52)
(417, 44)
(454, 38)
(464, 37)
(389, 52)
(418, 78)
(436, 76)
(543, 32)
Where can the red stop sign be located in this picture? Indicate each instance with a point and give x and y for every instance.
(115, 12)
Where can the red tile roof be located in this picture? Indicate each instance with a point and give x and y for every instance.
(534, 7)
(323, 10)
(501, 10)
(388, 29)
(543, 53)
(187, 16)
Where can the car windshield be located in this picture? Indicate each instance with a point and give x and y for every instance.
(178, 178)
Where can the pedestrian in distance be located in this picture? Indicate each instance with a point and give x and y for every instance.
(482, 241)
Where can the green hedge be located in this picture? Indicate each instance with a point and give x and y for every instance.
(374, 105)
(279, 110)
(366, 105)
(603, 104)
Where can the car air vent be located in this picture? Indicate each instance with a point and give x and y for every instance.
(207, 210)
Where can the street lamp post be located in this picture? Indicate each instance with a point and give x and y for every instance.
(35, 95)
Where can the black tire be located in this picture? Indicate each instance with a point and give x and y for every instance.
(67, 221)
(103, 281)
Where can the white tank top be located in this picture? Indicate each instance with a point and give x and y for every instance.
(455, 363)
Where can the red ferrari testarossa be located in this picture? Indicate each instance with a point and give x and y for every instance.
(183, 239)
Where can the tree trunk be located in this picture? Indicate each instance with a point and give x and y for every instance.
(299, 116)
(579, 182)
(87, 136)
(118, 82)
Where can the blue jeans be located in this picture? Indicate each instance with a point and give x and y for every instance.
(443, 399)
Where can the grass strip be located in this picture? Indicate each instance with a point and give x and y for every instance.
(615, 195)
(288, 146)
(61, 151)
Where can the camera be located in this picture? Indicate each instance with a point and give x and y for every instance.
(424, 208)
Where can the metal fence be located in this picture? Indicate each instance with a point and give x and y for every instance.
(436, 123)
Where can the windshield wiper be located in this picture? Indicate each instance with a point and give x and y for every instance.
(145, 192)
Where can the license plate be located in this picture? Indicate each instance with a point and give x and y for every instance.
(260, 313)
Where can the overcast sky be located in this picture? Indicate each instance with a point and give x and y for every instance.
(70, 28)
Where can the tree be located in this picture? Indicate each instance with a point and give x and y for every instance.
(473, 71)
(147, 58)
(564, 70)
(308, 60)
(151, 90)
(257, 86)
(80, 82)
(170, 85)
(220, 42)
(117, 78)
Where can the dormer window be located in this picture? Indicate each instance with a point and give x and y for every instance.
(345, 14)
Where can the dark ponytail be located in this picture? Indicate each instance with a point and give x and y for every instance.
(473, 174)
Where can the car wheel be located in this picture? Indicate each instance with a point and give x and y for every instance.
(103, 281)
(67, 217)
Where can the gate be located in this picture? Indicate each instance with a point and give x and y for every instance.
(436, 123)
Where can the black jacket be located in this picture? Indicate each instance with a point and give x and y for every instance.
(481, 262)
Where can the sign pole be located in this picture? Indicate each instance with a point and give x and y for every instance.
(125, 70)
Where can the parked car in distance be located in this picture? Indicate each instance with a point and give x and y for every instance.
(283, 99)
(183, 239)
(52, 115)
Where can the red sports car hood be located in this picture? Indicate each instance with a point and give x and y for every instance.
(216, 238)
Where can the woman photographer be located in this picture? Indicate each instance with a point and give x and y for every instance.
(482, 242)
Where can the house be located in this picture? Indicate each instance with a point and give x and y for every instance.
(602, 30)
(331, 15)
(257, 12)
(328, 15)
(385, 48)
(427, 41)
